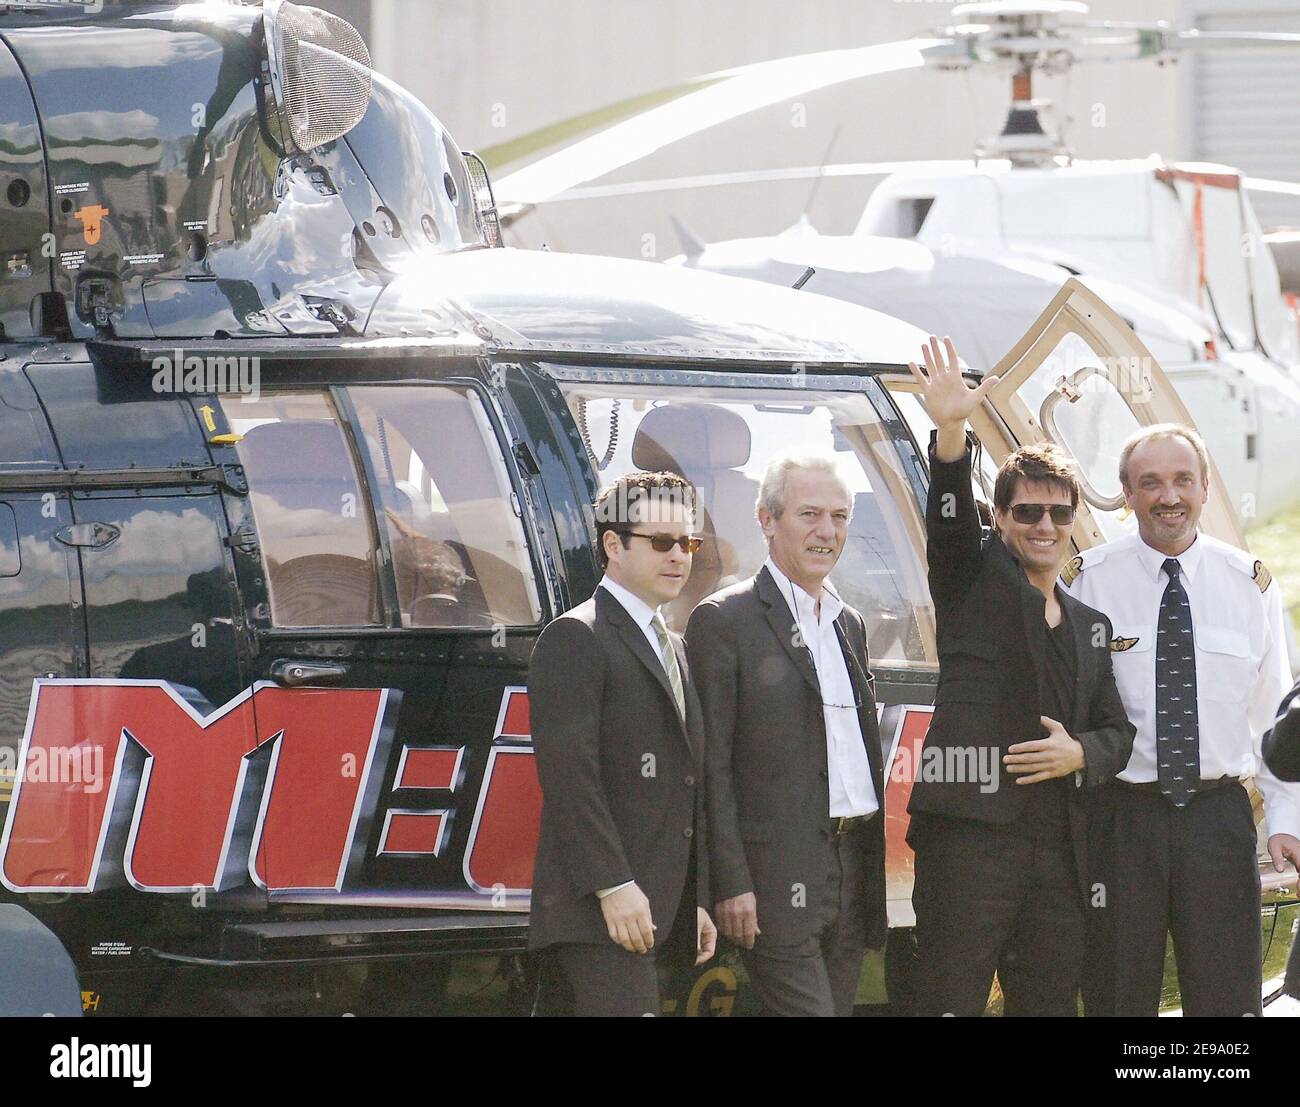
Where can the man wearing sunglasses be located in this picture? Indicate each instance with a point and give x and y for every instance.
(1025, 684)
(795, 785)
(621, 874)
(1201, 659)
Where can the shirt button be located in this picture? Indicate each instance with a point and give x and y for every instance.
(690, 782)
(689, 832)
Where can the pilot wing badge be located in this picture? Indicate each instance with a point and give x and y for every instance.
(1119, 645)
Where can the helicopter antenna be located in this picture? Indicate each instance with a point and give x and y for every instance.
(817, 181)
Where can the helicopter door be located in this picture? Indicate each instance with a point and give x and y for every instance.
(160, 701)
(395, 600)
(1081, 378)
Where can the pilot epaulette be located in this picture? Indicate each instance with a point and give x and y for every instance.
(1076, 565)
(1261, 576)
(1253, 568)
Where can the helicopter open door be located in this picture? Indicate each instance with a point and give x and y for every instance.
(1081, 378)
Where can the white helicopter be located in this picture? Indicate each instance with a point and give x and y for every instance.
(977, 248)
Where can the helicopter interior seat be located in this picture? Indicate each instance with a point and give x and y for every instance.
(298, 471)
(707, 444)
(868, 576)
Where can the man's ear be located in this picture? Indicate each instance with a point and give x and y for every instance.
(612, 542)
(767, 521)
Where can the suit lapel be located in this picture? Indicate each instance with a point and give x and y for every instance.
(608, 606)
(867, 721)
(1084, 654)
(782, 622)
(688, 693)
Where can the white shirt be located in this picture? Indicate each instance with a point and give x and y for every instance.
(852, 789)
(642, 613)
(1242, 670)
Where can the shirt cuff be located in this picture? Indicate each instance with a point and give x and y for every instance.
(1281, 814)
(603, 892)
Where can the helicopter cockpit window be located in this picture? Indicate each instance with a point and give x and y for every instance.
(459, 550)
(920, 424)
(317, 543)
(721, 439)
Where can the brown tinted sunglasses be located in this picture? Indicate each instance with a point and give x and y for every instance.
(1062, 514)
(662, 543)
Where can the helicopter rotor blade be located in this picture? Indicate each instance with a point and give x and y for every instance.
(1266, 184)
(1118, 41)
(748, 176)
(699, 105)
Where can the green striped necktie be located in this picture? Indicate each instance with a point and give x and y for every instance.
(669, 656)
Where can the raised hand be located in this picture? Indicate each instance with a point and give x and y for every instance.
(948, 399)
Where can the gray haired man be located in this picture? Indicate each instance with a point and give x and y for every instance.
(793, 779)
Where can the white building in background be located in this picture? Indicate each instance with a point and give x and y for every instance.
(495, 70)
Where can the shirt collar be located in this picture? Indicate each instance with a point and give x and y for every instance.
(1153, 560)
(642, 613)
(832, 605)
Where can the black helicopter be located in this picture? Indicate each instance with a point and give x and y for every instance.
(296, 462)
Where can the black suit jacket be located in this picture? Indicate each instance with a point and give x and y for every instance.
(1282, 742)
(621, 777)
(768, 785)
(990, 625)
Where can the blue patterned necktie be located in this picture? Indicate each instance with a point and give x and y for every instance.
(1178, 743)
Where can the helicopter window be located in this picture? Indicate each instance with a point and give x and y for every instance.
(316, 540)
(721, 439)
(1091, 420)
(920, 424)
(459, 552)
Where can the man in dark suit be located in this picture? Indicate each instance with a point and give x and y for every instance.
(1282, 755)
(1025, 682)
(617, 732)
(1282, 742)
(794, 782)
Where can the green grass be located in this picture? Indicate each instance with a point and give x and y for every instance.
(1277, 545)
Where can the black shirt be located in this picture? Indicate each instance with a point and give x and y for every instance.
(1057, 676)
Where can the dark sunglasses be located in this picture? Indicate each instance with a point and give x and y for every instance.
(1062, 514)
(662, 543)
